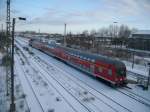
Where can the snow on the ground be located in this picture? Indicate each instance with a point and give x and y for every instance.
(3, 107)
(138, 69)
(141, 69)
(31, 100)
(21, 103)
(110, 92)
(147, 59)
(138, 90)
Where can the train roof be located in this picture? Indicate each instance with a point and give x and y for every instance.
(91, 56)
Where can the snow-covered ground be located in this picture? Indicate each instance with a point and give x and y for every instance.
(41, 95)
(20, 96)
(76, 91)
(139, 69)
(3, 102)
(2, 89)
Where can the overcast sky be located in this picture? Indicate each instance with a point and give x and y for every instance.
(50, 15)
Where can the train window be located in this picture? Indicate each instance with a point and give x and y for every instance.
(93, 60)
(92, 68)
(100, 69)
(68, 57)
(121, 72)
(109, 72)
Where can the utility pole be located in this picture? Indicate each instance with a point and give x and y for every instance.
(133, 60)
(12, 105)
(39, 31)
(8, 74)
(65, 35)
(39, 35)
(8, 20)
(114, 32)
(1, 37)
(2, 28)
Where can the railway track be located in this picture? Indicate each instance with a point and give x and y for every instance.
(135, 96)
(26, 103)
(137, 76)
(30, 85)
(25, 58)
(138, 95)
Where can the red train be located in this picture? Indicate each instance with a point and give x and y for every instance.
(106, 68)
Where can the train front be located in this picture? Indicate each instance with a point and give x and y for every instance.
(121, 74)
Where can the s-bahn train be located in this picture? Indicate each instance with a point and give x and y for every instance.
(106, 68)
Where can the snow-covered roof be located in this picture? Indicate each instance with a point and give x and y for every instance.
(142, 32)
(145, 34)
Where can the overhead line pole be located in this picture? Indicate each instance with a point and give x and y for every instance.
(2, 28)
(12, 105)
(65, 35)
(8, 74)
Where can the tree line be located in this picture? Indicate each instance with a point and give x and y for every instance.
(116, 31)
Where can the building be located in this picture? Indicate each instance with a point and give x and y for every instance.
(140, 40)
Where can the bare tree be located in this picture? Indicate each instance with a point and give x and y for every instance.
(124, 31)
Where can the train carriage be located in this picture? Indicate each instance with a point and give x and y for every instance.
(111, 70)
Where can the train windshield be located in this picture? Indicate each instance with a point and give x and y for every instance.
(121, 69)
(121, 72)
